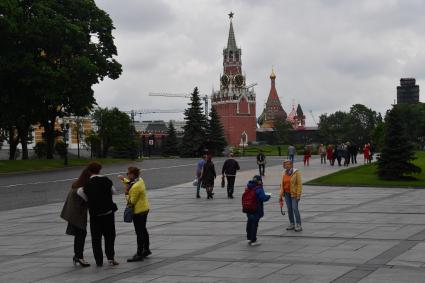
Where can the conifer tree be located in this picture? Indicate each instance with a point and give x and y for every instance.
(194, 131)
(216, 142)
(171, 143)
(398, 151)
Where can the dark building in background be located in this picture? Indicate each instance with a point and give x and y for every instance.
(408, 91)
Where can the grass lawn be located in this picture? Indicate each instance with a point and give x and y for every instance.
(9, 166)
(366, 176)
(268, 150)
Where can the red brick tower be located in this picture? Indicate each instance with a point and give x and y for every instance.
(234, 102)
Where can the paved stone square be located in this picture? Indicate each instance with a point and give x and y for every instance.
(350, 235)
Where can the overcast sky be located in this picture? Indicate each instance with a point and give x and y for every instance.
(327, 54)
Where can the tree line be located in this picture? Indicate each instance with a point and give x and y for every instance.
(51, 54)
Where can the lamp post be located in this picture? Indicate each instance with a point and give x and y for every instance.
(65, 128)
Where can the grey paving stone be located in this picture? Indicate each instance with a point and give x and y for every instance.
(395, 275)
(348, 233)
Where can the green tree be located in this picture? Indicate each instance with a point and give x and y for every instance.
(413, 117)
(334, 128)
(356, 126)
(216, 142)
(54, 52)
(114, 131)
(171, 144)
(282, 130)
(397, 153)
(362, 122)
(195, 129)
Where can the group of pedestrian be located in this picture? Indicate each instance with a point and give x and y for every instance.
(93, 192)
(343, 153)
(206, 175)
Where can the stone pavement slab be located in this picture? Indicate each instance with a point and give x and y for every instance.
(350, 235)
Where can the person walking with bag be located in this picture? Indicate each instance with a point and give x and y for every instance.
(230, 167)
(253, 205)
(98, 193)
(199, 167)
(75, 212)
(261, 162)
(137, 200)
(290, 190)
(208, 176)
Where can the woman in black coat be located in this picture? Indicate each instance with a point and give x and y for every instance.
(75, 212)
(208, 176)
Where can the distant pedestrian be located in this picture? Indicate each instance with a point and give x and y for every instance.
(339, 154)
(353, 150)
(208, 176)
(371, 152)
(322, 152)
(330, 154)
(290, 190)
(261, 161)
(307, 155)
(98, 193)
(137, 199)
(255, 187)
(75, 212)
(230, 167)
(366, 153)
(199, 167)
(346, 154)
(291, 153)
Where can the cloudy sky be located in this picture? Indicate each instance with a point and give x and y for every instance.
(327, 54)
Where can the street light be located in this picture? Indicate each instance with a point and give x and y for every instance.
(65, 128)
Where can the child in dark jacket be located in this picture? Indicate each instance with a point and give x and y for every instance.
(254, 218)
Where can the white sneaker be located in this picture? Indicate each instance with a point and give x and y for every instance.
(290, 227)
(298, 228)
(252, 244)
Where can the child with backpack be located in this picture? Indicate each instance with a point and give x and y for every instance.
(252, 205)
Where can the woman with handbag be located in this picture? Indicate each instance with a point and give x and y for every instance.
(75, 212)
(208, 176)
(137, 200)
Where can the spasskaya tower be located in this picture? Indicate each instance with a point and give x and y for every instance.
(235, 102)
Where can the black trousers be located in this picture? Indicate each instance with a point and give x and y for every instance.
(79, 239)
(261, 168)
(103, 226)
(353, 158)
(139, 222)
(230, 184)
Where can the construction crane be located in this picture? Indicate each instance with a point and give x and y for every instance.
(204, 97)
(250, 85)
(312, 116)
(141, 112)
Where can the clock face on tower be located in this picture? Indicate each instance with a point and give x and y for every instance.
(225, 80)
(239, 80)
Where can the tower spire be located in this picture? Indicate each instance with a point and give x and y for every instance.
(231, 41)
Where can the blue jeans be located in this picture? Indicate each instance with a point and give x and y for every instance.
(291, 157)
(292, 205)
(252, 227)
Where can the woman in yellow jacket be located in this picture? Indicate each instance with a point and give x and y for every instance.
(137, 199)
(290, 189)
